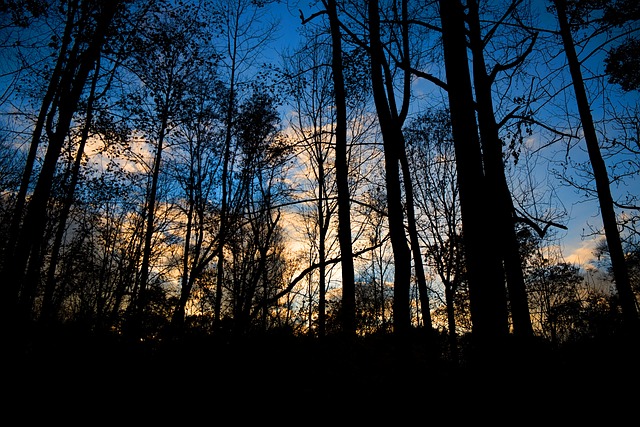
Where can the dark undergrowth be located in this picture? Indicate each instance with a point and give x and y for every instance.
(280, 376)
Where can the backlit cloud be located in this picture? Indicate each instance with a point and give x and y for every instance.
(581, 254)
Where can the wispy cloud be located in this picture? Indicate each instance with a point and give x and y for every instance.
(581, 253)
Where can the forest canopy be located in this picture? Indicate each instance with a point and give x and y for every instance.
(338, 168)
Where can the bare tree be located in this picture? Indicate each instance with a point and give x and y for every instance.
(87, 28)
(311, 81)
(342, 178)
(171, 40)
(493, 161)
(240, 44)
(484, 268)
(627, 299)
(257, 264)
(433, 167)
(47, 310)
(197, 151)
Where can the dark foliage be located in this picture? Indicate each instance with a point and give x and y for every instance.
(74, 372)
(623, 63)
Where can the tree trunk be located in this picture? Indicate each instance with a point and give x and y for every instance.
(342, 176)
(418, 266)
(224, 205)
(12, 294)
(323, 225)
(451, 322)
(26, 261)
(392, 143)
(48, 311)
(485, 274)
(503, 221)
(140, 301)
(607, 212)
(177, 319)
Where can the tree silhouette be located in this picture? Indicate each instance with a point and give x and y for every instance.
(86, 30)
(484, 269)
(344, 210)
(171, 194)
(627, 299)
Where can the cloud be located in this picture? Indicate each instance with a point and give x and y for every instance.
(581, 253)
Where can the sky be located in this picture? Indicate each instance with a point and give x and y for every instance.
(582, 213)
(576, 243)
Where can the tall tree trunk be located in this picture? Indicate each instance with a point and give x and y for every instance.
(451, 322)
(48, 311)
(141, 299)
(484, 268)
(177, 319)
(225, 196)
(418, 266)
(342, 175)
(18, 210)
(26, 260)
(323, 226)
(620, 272)
(503, 222)
(392, 142)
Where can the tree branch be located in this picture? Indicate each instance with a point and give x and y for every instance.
(502, 67)
(313, 16)
(308, 270)
(520, 217)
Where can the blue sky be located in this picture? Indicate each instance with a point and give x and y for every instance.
(582, 213)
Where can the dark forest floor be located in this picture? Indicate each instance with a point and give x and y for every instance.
(281, 378)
